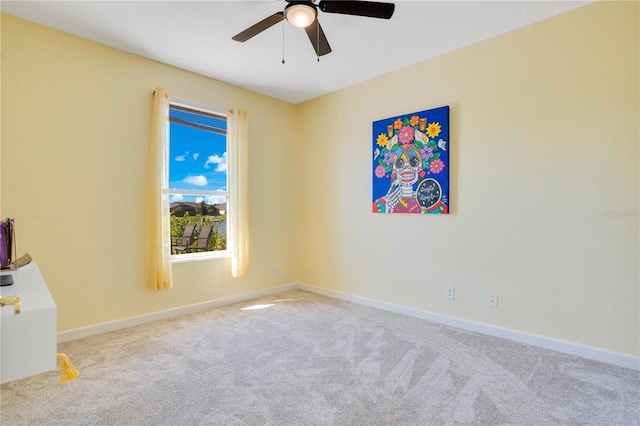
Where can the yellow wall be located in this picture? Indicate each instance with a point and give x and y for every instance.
(544, 140)
(75, 122)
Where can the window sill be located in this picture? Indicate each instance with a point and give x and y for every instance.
(196, 257)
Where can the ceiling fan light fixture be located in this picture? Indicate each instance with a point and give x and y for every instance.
(300, 15)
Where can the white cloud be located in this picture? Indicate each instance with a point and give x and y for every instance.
(199, 199)
(219, 160)
(196, 155)
(177, 198)
(196, 180)
(182, 157)
(215, 199)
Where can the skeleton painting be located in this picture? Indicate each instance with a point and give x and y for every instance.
(411, 163)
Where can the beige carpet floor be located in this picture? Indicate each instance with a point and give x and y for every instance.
(301, 359)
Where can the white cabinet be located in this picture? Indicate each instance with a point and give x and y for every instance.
(28, 340)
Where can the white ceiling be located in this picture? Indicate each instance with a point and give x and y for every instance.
(196, 35)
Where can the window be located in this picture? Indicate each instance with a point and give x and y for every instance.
(197, 180)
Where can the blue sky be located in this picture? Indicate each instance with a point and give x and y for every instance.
(198, 159)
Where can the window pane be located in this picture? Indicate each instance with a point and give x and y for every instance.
(198, 155)
(198, 217)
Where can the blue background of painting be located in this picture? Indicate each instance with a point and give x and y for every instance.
(440, 115)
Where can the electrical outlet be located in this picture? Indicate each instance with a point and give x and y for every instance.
(274, 270)
(493, 301)
(450, 293)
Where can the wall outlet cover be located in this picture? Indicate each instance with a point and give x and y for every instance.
(450, 293)
(493, 301)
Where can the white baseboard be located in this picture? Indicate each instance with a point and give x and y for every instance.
(583, 351)
(105, 327)
(588, 352)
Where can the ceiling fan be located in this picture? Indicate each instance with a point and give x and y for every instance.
(304, 14)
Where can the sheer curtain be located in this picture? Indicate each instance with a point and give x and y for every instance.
(159, 254)
(238, 211)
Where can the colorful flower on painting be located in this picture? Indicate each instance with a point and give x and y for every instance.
(388, 157)
(436, 166)
(414, 120)
(433, 130)
(406, 135)
(382, 139)
(397, 124)
(426, 152)
(380, 171)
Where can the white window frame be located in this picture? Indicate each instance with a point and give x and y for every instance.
(217, 254)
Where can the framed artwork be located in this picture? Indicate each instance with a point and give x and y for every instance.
(411, 163)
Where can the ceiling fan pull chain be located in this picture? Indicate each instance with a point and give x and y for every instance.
(318, 41)
(283, 41)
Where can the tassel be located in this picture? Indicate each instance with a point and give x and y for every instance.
(69, 372)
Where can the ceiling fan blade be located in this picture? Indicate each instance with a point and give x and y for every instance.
(318, 39)
(259, 27)
(371, 9)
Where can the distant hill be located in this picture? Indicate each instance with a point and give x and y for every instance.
(180, 208)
